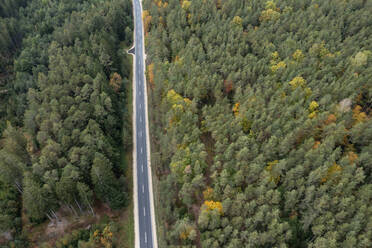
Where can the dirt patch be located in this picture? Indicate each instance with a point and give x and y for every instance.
(208, 142)
(51, 231)
(56, 227)
(5, 237)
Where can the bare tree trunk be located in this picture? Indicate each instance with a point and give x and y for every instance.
(91, 209)
(19, 187)
(50, 218)
(54, 214)
(77, 203)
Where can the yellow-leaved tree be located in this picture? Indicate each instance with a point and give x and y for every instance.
(150, 71)
(298, 55)
(178, 104)
(297, 81)
(270, 165)
(146, 21)
(358, 115)
(186, 4)
(271, 12)
(212, 205)
(236, 108)
(313, 109)
(331, 171)
(237, 20)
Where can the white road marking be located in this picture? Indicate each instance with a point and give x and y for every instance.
(139, 67)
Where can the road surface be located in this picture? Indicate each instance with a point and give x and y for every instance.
(144, 209)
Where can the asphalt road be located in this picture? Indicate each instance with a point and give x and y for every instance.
(144, 211)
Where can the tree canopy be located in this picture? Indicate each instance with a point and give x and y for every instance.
(271, 146)
(64, 81)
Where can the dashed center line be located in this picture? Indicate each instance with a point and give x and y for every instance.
(139, 84)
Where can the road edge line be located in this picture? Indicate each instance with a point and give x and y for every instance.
(134, 137)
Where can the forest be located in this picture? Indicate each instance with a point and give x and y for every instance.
(261, 125)
(63, 115)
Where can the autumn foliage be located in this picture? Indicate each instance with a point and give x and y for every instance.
(150, 69)
(297, 81)
(228, 84)
(359, 115)
(103, 238)
(331, 171)
(271, 12)
(236, 108)
(146, 21)
(116, 81)
(330, 119)
(212, 205)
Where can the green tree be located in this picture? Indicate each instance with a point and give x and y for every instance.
(105, 183)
